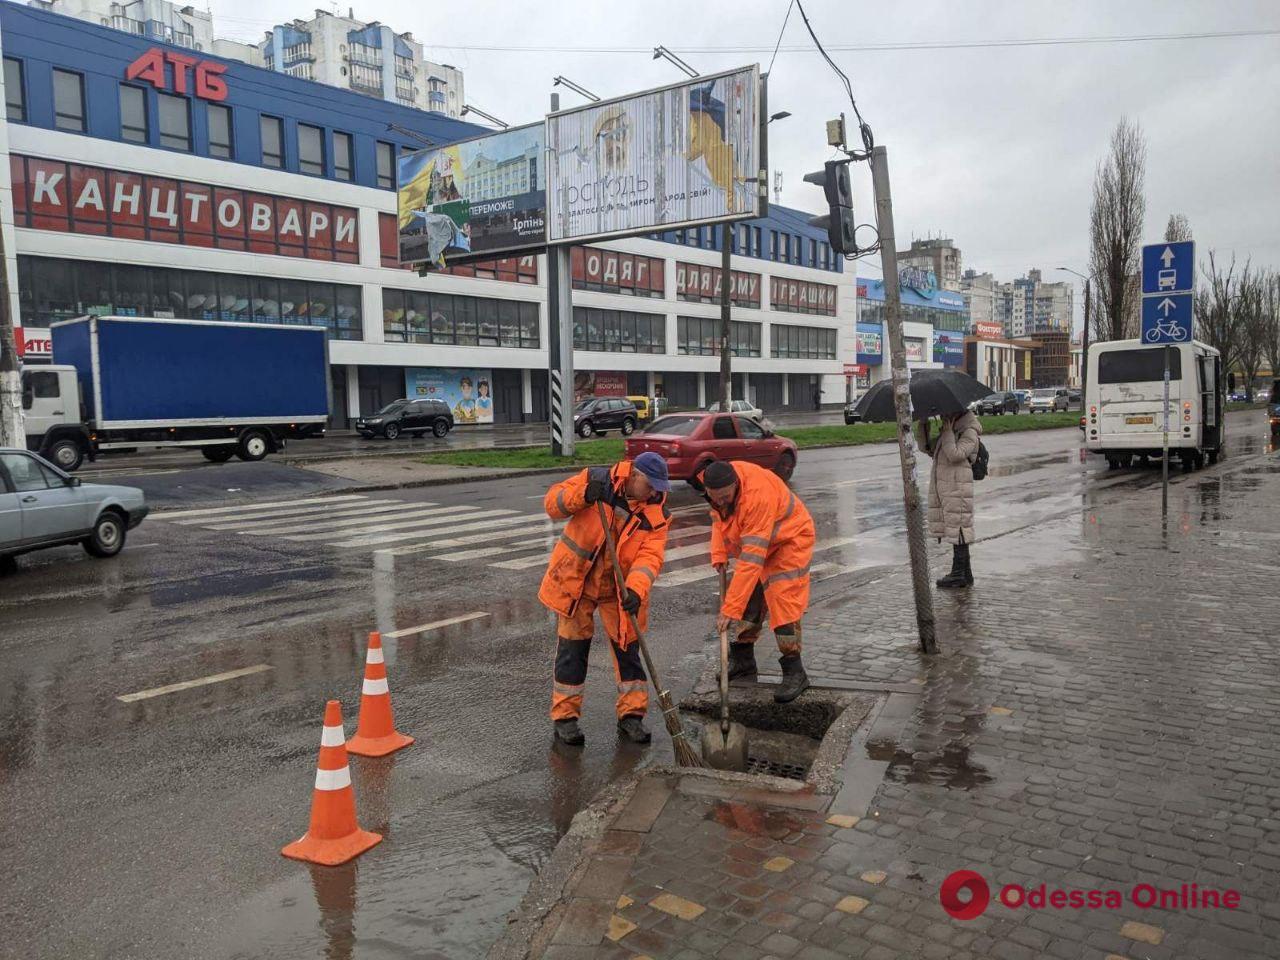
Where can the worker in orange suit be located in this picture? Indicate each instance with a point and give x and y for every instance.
(757, 519)
(580, 582)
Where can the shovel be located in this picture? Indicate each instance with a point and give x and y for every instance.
(724, 743)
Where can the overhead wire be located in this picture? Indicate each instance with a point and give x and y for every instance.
(780, 33)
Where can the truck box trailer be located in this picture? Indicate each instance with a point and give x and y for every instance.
(127, 383)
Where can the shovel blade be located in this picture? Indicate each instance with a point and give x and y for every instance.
(725, 751)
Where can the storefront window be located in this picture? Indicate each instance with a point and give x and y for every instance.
(487, 318)
(528, 324)
(417, 317)
(464, 321)
(175, 122)
(293, 301)
(347, 312)
(394, 313)
(132, 298)
(802, 343)
(167, 295)
(133, 113)
(441, 326)
(219, 117)
(266, 300)
(202, 296)
(509, 323)
(320, 302)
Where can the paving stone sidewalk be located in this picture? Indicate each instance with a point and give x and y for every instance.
(1102, 721)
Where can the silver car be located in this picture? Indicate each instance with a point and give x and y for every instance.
(1048, 400)
(40, 506)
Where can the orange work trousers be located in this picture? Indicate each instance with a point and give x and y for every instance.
(754, 616)
(574, 635)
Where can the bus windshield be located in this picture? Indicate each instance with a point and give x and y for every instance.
(1142, 365)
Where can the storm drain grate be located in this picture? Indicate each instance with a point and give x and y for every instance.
(776, 768)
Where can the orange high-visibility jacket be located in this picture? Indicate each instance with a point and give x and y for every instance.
(771, 534)
(641, 537)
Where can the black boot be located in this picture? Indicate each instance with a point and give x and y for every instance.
(956, 578)
(632, 727)
(794, 680)
(742, 661)
(964, 561)
(568, 732)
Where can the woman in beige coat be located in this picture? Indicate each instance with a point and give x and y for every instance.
(951, 490)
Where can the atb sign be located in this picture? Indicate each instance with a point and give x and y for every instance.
(1168, 278)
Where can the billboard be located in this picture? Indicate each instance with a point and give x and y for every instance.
(468, 391)
(915, 349)
(684, 154)
(477, 198)
(987, 330)
(870, 340)
(598, 383)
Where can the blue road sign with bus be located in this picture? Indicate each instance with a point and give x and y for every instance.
(1169, 267)
(1167, 319)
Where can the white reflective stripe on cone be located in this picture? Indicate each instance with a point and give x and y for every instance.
(374, 655)
(374, 687)
(333, 779)
(332, 737)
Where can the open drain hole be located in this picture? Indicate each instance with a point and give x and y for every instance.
(777, 768)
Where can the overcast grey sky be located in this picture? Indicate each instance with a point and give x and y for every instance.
(994, 147)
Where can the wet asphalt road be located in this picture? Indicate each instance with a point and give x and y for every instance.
(153, 828)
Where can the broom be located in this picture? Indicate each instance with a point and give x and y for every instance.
(686, 756)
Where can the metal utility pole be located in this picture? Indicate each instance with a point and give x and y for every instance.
(1084, 347)
(560, 342)
(1164, 460)
(902, 404)
(11, 430)
(726, 353)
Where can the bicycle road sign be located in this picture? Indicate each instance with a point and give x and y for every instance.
(1167, 318)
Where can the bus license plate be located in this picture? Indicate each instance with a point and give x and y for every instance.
(1132, 420)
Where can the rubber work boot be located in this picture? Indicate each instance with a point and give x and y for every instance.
(956, 578)
(742, 661)
(568, 732)
(794, 680)
(633, 728)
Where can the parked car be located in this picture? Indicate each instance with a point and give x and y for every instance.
(1024, 397)
(850, 413)
(689, 441)
(602, 414)
(41, 506)
(407, 416)
(1273, 410)
(742, 407)
(996, 403)
(1074, 398)
(649, 409)
(1048, 400)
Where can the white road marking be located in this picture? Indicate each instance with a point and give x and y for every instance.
(189, 684)
(522, 563)
(487, 537)
(377, 527)
(478, 553)
(343, 526)
(213, 511)
(302, 514)
(428, 534)
(438, 624)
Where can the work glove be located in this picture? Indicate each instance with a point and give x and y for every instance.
(599, 487)
(631, 602)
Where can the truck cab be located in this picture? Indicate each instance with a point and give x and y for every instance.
(53, 416)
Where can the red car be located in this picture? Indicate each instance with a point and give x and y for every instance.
(689, 441)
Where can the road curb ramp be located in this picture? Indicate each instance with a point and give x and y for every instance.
(333, 836)
(376, 734)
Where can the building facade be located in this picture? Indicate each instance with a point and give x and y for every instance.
(142, 180)
(1028, 305)
(980, 293)
(934, 323)
(941, 256)
(368, 58)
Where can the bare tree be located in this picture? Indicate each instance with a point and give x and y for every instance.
(1250, 305)
(1115, 230)
(1217, 322)
(1178, 228)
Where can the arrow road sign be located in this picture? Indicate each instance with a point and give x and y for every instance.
(1167, 319)
(1169, 267)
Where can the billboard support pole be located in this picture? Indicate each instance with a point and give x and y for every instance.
(726, 354)
(917, 549)
(560, 342)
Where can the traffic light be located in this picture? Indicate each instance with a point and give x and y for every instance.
(839, 222)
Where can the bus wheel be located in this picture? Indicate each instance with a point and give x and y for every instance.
(1113, 463)
(1199, 460)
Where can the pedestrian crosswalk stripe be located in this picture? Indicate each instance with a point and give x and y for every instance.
(343, 525)
(679, 553)
(521, 563)
(488, 536)
(478, 553)
(411, 631)
(378, 527)
(214, 511)
(676, 578)
(376, 540)
(303, 514)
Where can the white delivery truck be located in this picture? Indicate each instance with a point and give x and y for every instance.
(1124, 402)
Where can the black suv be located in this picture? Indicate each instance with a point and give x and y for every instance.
(1006, 402)
(407, 416)
(600, 414)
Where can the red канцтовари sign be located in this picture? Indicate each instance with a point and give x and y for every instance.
(74, 198)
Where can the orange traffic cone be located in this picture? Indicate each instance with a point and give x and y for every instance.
(376, 734)
(333, 837)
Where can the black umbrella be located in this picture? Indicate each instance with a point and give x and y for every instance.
(933, 393)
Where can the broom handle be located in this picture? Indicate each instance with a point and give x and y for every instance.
(724, 661)
(619, 580)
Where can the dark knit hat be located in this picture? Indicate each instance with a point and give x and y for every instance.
(718, 475)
